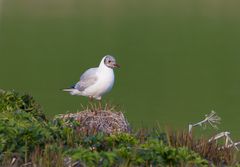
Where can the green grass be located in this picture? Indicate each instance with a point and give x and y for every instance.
(29, 138)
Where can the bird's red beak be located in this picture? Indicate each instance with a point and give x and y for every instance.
(117, 65)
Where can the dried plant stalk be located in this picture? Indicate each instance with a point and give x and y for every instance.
(211, 119)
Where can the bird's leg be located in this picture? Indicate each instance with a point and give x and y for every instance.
(100, 105)
(90, 98)
(91, 103)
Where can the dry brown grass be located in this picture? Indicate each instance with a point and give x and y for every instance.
(97, 118)
(211, 151)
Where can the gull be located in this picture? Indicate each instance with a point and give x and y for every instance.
(95, 82)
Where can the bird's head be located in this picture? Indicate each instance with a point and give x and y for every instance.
(110, 61)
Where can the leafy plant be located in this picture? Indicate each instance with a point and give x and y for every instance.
(23, 126)
(11, 101)
(155, 152)
(27, 137)
(121, 140)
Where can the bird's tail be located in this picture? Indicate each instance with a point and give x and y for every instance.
(68, 90)
(72, 91)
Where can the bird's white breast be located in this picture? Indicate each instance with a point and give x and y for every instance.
(104, 83)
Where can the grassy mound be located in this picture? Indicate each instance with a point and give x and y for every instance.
(97, 119)
(27, 137)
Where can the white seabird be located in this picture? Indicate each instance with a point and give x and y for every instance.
(95, 82)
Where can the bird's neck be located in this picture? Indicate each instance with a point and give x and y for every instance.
(103, 68)
(102, 65)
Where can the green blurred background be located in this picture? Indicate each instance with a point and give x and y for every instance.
(179, 59)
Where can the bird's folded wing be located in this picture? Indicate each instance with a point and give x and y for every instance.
(87, 79)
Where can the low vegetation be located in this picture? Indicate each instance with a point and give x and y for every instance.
(27, 138)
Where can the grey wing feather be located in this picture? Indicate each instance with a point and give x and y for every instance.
(87, 79)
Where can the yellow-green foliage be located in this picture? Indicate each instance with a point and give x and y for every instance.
(23, 125)
(11, 101)
(25, 131)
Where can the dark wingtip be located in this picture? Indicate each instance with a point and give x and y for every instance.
(73, 86)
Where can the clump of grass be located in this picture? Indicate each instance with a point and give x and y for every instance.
(97, 118)
(50, 155)
(208, 150)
